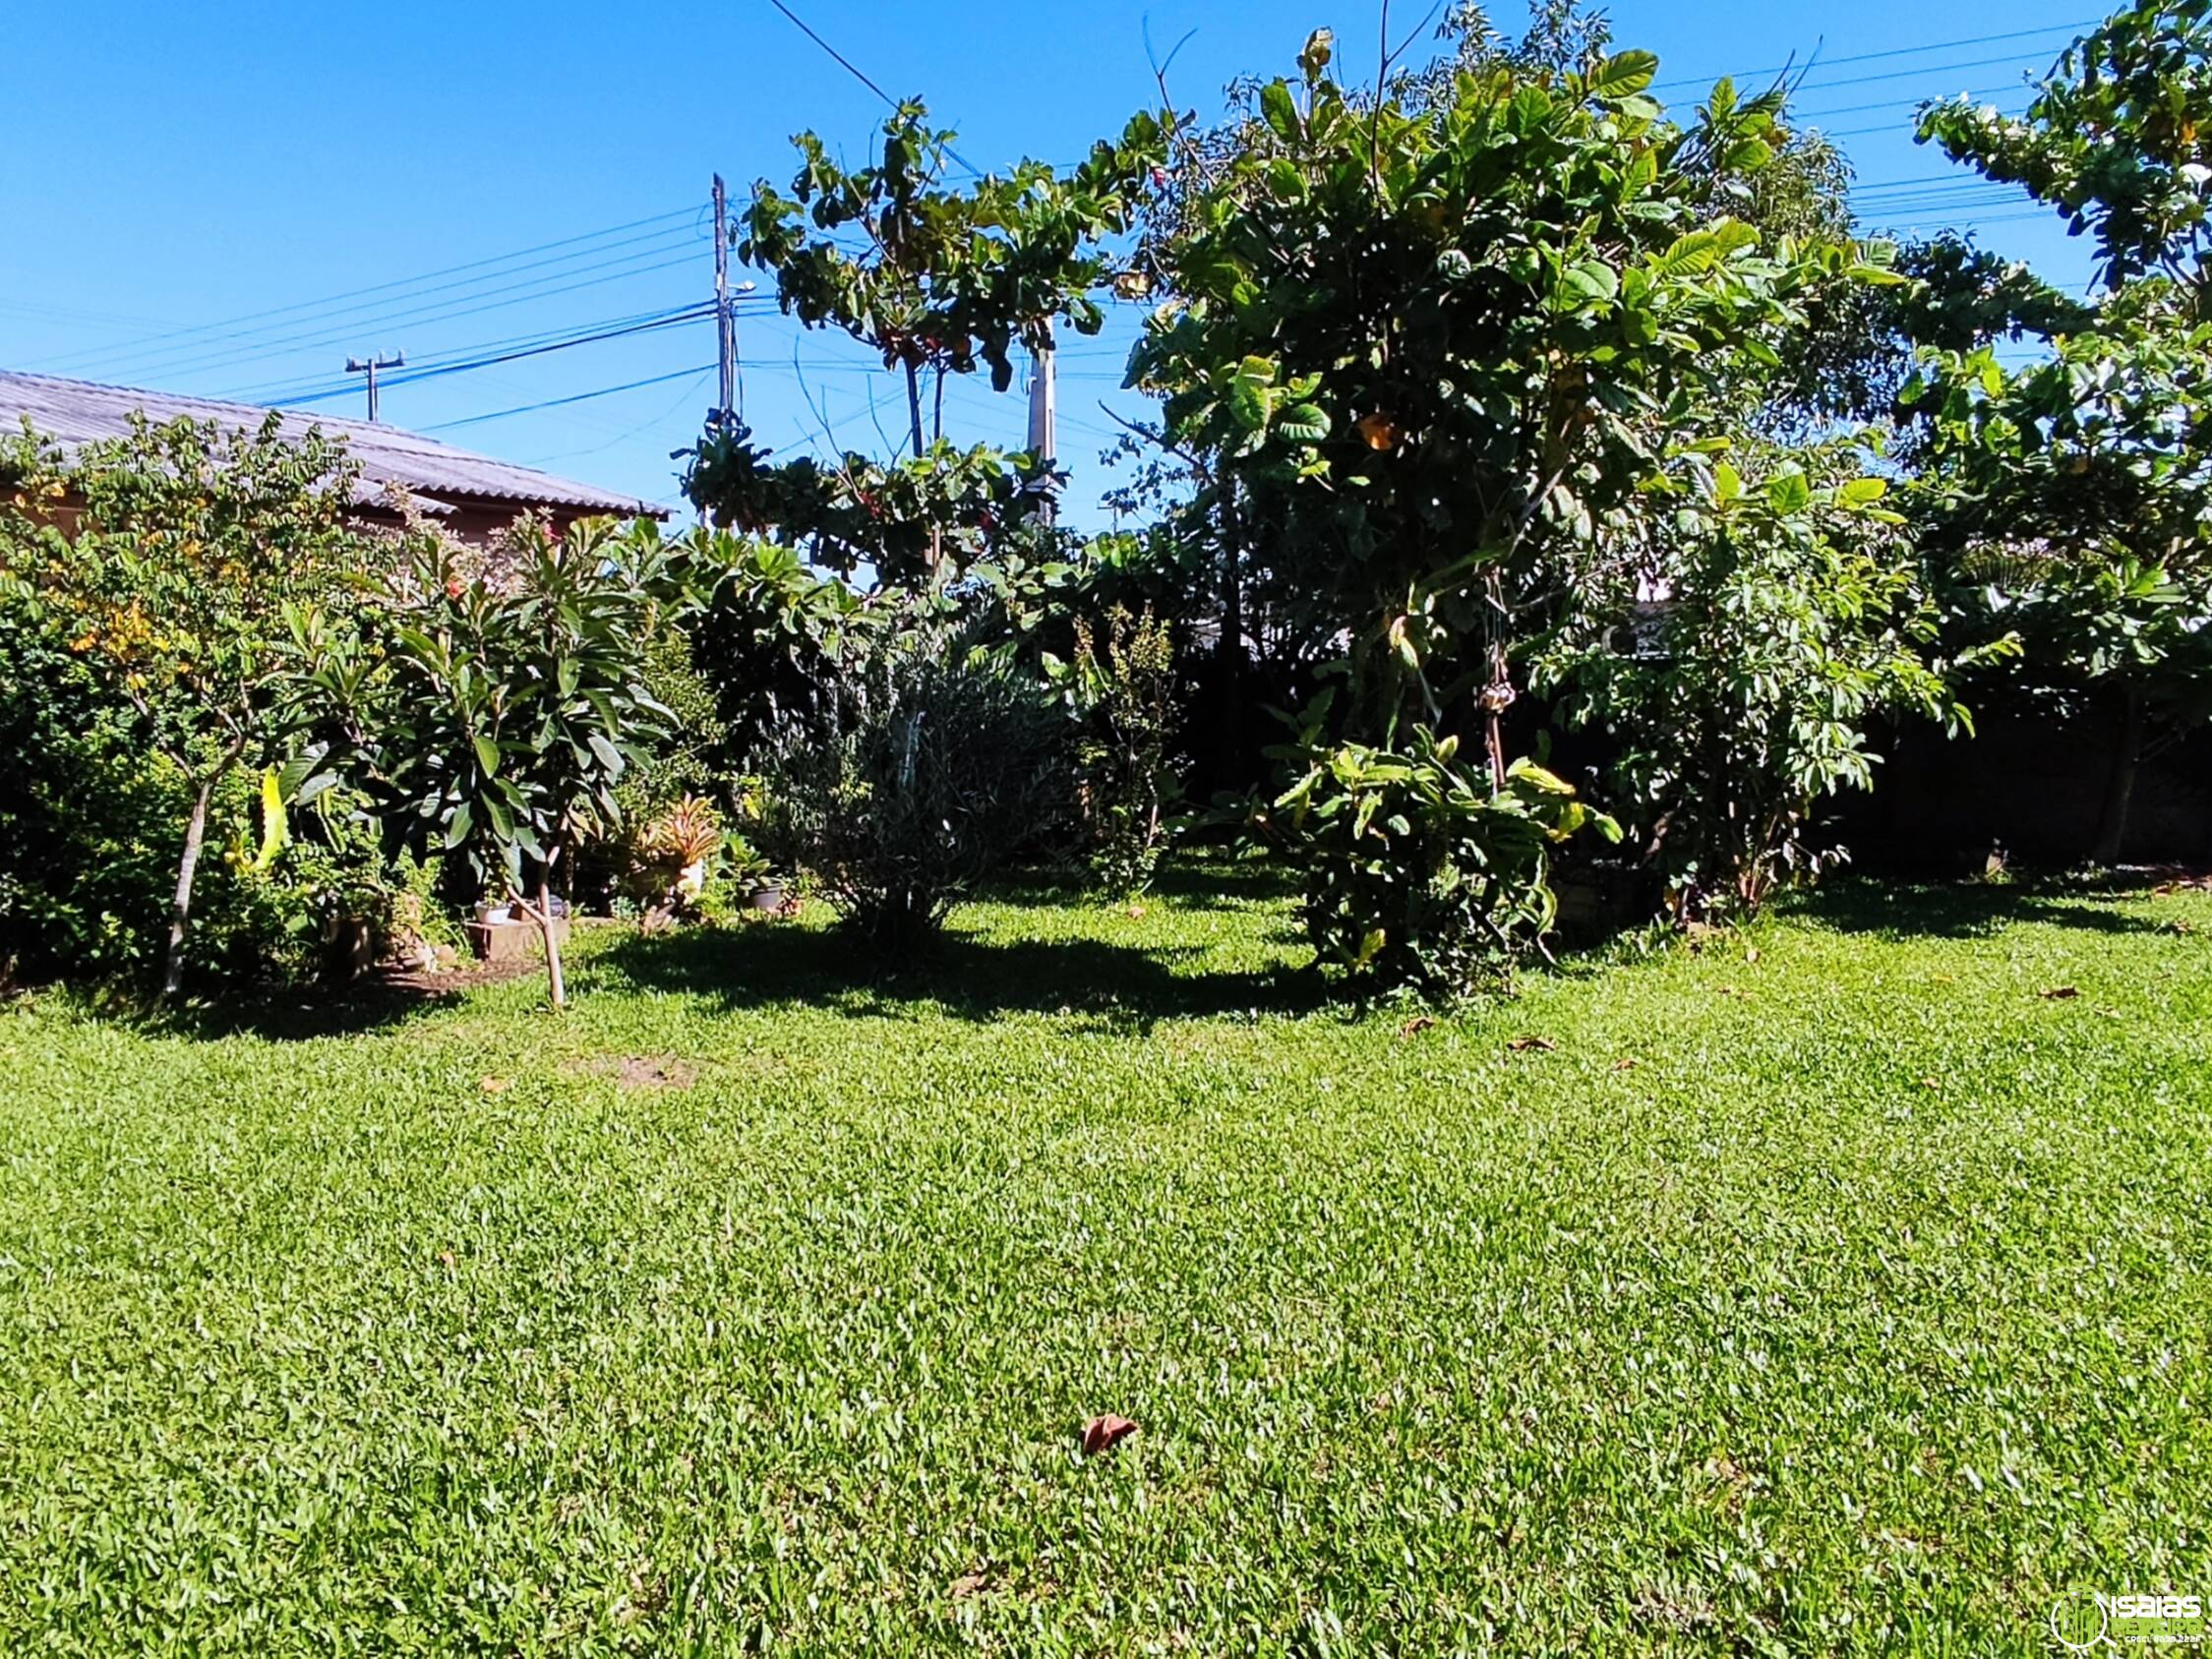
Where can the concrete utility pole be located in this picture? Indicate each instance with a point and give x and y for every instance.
(725, 317)
(372, 365)
(1044, 419)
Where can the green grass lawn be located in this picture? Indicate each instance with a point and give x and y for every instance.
(1827, 1290)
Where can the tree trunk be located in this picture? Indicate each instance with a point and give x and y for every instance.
(1232, 649)
(180, 910)
(914, 404)
(556, 987)
(2119, 781)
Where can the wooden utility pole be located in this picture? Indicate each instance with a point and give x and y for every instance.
(372, 365)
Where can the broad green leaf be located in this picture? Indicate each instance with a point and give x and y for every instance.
(1623, 74)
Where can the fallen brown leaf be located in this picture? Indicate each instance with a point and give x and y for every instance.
(969, 1584)
(2059, 993)
(1521, 1045)
(1419, 1023)
(492, 1084)
(1625, 1063)
(445, 1258)
(1135, 911)
(1103, 1434)
(1929, 1082)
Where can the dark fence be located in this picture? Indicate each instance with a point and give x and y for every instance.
(2034, 787)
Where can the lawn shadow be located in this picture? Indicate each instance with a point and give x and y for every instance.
(968, 976)
(377, 1003)
(1962, 909)
(1186, 877)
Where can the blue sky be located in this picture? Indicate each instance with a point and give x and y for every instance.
(230, 199)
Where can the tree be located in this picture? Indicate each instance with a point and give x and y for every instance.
(1793, 613)
(2072, 501)
(947, 278)
(944, 281)
(180, 564)
(2118, 139)
(2073, 495)
(1431, 350)
(513, 696)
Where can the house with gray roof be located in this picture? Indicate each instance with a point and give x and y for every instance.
(473, 496)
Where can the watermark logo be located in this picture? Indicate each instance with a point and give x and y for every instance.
(2082, 1620)
(2077, 1620)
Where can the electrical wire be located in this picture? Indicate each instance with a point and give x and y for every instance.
(197, 329)
(1892, 52)
(622, 267)
(860, 75)
(1913, 101)
(689, 313)
(573, 397)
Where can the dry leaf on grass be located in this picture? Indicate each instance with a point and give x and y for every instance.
(969, 1584)
(1521, 1045)
(1929, 1082)
(1419, 1023)
(1103, 1434)
(1625, 1063)
(491, 1084)
(2059, 993)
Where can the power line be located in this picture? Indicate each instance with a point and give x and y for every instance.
(1893, 52)
(683, 397)
(688, 313)
(1908, 102)
(320, 332)
(861, 75)
(1891, 127)
(432, 314)
(302, 382)
(1906, 73)
(269, 392)
(851, 68)
(573, 397)
(129, 346)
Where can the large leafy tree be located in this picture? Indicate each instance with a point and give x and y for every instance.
(2073, 496)
(1435, 349)
(2117, 139)
(939, 279)
(2072, 501)
(180, 565)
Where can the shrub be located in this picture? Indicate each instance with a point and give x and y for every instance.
(1128, 690)
(179, 584)
(927, 766)
(506, 706)
(1417, 875)
(1792, 616)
